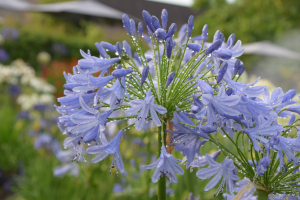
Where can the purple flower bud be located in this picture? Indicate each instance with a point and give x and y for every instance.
(126, 23)
(160, 34)
(197, 102)
(119, 48)
(236, 66)
(222, 37)
(118, 73)
(217, 35)
(288, 95)
(101, 50)
(194, 47)
(108, 46)
(127, 48)
(222, 53)
(295, 109)
(229, 91)
(170, 79)
(149, 31)
(190, 26)
(241, 70)
(132, 27)
(172, 30)
(207, 128)
(214, 46)
(222, 72)
(155, 22)
(164, 19)
(230, 41)
(119, 66)
(144, 74)
(195, 109)
(204, 33)
(140, 29)
(147, 18)
(169, 47)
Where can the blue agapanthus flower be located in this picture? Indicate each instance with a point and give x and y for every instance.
(220, 171)
(144, 106)
(108, 148)
(165, 165)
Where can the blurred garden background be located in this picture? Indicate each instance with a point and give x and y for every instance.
(40, 39)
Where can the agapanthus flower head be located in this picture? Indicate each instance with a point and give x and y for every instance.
(188, 87)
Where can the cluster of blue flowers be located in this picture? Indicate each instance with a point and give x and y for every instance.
(193, 84)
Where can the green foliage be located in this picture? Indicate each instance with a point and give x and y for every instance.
(250, 20)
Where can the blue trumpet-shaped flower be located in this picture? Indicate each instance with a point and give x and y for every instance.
(145, 105)
(165, 165)
(108, 148)
(218, 170)
(186, 138)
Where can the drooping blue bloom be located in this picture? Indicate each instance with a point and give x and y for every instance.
(101, 50)
(164, 19)
(144, 74)
(88, 121)
(170, 79)
(127, 48)
(264, 127)
(218, 170)
(285, 145)
(108, 148)
(126, 23)
(263, 165)
(237, 65)
(114, 95)
(200, 161)
(295, 109)
(186, 138)
(119, 73)
(165, 165)
(223, 53)
(214, 46)
(222, 103)
(145, 105)
(108, 46)
(140, 29)
(132, 27)
(92, 64)
(222, 72)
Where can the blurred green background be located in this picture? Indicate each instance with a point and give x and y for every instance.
(49, 44)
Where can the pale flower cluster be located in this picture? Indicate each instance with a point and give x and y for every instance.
(21, 74)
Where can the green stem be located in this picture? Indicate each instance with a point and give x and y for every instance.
(262, 195)
(162, 181)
